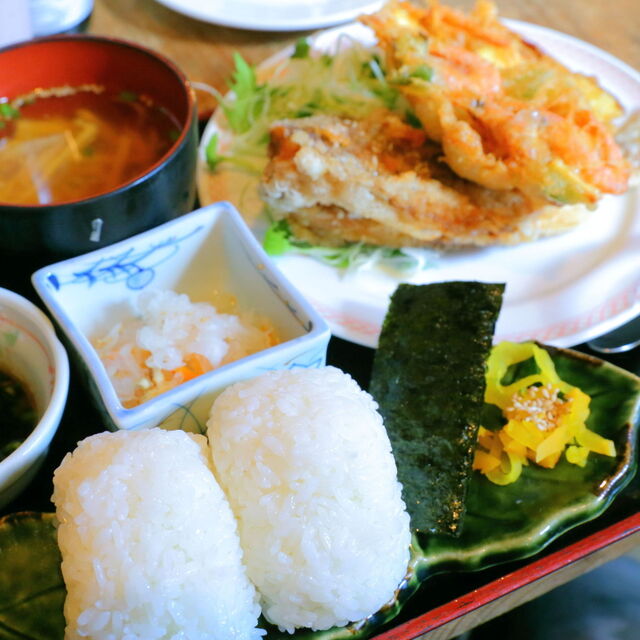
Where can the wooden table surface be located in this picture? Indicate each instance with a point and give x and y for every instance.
(204, 51)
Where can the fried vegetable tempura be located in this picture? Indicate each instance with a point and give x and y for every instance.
(507, 115)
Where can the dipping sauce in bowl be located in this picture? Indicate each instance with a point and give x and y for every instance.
(34, 379)
(98, 142)
(18, 411)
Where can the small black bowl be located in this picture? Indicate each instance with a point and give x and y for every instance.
(35, 235)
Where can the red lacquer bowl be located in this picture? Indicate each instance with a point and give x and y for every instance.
(163, 191)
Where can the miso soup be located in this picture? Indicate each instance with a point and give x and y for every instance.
(65, 144)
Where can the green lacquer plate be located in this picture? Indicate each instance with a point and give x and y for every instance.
(31, 588)
(502, 523)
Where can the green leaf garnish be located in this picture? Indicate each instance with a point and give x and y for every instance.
(375, 68)
(301, 49)
(214, 158)
(128, 96)
(276, 239)
(211, 153)
(422, 72)
(412, 119)
(307, 109)
(388, 94)
(279, 240)
(7, 112)
(248, 99)
(326, 60)
(351, 82)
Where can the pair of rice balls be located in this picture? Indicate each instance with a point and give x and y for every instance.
(292, 509)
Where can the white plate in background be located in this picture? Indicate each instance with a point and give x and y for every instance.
(274, 15)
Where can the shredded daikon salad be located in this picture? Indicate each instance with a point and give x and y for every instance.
(350, 81)
(169, 340)
(545, 417)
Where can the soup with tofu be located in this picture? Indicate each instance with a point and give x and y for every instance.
(70, 143)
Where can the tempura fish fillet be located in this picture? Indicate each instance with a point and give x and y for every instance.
(380, 181)
(507, 115)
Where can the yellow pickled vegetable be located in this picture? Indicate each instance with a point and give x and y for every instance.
(546, 417)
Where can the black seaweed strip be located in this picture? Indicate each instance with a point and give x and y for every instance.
(428, 378)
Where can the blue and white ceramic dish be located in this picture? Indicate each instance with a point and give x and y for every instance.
(204, 252)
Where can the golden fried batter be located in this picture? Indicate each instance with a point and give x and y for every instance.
(382, 182)
(507, 116)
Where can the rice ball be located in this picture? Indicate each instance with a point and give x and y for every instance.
(149, 545)
(306, 463)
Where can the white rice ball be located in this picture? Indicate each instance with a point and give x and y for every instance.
(149, 544)
(306, 464)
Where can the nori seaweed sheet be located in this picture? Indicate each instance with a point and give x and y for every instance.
(429, 380)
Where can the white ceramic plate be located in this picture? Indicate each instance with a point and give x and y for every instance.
(562, 290)
(274, 15)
